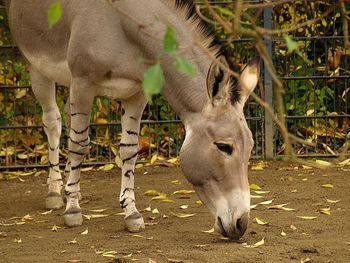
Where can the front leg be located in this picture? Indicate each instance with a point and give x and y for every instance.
(132, 109)
(80, 99)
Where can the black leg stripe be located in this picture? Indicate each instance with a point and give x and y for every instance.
(79, 113)
(122, 202)
(52, 149)
(74, 183)
(80, 143)
(126, 190)
(131, 157)
(80, 132)
(129, 173)
(127, 144)
(76, 167)
(53, 164)
(132, 133)
(77, 153)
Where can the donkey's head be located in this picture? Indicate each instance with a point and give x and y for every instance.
(217, 148)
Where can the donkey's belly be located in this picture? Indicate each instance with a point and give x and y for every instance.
(119, 88)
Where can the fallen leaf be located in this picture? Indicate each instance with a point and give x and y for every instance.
(332, 201)
(47, 212)
(184, 206)
(210, 231)
(155, 211)
(257, 244)
(323, 163)
(260, 222)
(183, 192)
(256, 196)
(138, 236)
(280, 207)
(344, 163)
(305, 260)
(183, 215)
(260, 166)
(85, 232)
(87, 169)
(106, 167)
(147, 209)
(167, 201)
(152, 193)
(139, 165)
(177, 182)
(89, 217)
(74, 241)
(154, 159)
(327, 186)
(98, 210)
(162, 196)
(253, 206)
(199, 202)
(120, 214)
(307, 217)
(266, 202)
(175, 260)
(55, 228)
(18, 240)
(261, 192)
(325, 211)
(293, 227)
(283, 233)
(74, 260)
(254, 187)
(305, 167)
(200, 246)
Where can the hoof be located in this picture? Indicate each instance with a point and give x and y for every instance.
(73, 218)
(134, 223)
(54, 201)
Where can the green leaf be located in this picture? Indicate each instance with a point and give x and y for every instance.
(170, 44)
(291, 44)
(153, 80)
(54, 13)
(184, 66)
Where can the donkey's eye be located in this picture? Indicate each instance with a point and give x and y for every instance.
(226, 148)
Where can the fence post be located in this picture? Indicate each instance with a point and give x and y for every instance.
(269, 129)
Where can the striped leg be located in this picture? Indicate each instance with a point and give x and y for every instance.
(131, 117)
(45, 92)
(81, 99)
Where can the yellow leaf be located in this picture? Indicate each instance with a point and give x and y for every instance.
(154, 159)
(74, 241)
(305, 260)
(305, 167)
(260, 166)
(184, 192)
(256, 196)
(98, 210)
(280, 207)
(174, 161)
(253, 206)
(155, 211)
(162, 196)
(55, 228)
(87, 169)
(167, 201)
(175, 182)
(18, 240)
(266, 202)
(47, 212)
(307, 217)
(283, 233)
(183, 215)
(260, 243)
(106, 167)
(254, 187)
(293, 227)
(184, 206)
(22, 156)
(310, 112)
(152, 193)
(138, 236)
(199, 202)
(85, 232)
(261, 192)
(332, 201)
(139, 165)
(210, 231)
(260, 222)
(118, 161)
(327, 186)
(344, 163)
(88, 217)
(120, 214)
(325, 211)
(147, 209)
(323, 163)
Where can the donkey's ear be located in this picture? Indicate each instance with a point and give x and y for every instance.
(218, 82)
(249, 79)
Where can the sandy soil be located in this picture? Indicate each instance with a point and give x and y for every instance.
(172, 239)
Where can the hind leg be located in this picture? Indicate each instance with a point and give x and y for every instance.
(45, 92)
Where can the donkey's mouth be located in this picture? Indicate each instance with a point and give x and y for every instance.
(221, 226)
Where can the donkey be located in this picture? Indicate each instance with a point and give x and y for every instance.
(93, 50)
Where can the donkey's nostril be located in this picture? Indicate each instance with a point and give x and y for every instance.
(242, 223)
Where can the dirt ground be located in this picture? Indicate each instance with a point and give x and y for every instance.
(172, 239)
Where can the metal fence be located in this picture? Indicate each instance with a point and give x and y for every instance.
(316, 98)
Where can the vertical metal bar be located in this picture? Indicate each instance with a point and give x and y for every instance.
(269, 129)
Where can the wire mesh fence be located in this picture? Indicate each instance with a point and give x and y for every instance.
(316, 100)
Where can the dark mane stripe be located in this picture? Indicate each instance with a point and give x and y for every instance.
(204, 28)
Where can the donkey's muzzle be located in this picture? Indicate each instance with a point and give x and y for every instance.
(234, 230)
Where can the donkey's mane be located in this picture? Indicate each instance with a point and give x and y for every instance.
(188, 9)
